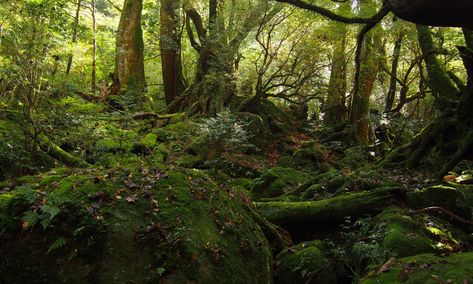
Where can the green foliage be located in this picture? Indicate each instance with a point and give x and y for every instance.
(223, 133)
(364, 246)
(58, 243)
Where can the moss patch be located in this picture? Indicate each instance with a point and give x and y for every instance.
(130, 225)
(427, 268)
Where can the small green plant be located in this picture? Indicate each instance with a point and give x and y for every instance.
(224, 133)
(362, 246)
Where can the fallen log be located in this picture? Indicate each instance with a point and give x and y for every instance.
(327, 211)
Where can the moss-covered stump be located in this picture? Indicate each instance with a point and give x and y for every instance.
(276, 181)
(447, 197)
(426, 269)
(128, 226)
(304, 263)
(327, 211)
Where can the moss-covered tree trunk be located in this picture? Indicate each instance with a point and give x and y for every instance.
(360, 108)
(440, 83)
(129, 65)
(170, 44)
(214, 84)
(336, 111)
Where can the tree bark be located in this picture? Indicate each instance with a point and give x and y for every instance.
(452, 13)
(170, 44)
(94, 52)
(130, 52)
(468, 34)
(360, 107)
(393, 81)
(74, 36)
(440, 83)
(336, 110)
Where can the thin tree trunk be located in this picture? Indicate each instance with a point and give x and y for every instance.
(393, 81)
(74, 36)
(94, 55)
(170, 44)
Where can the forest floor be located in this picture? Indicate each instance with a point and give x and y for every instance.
(160, 202)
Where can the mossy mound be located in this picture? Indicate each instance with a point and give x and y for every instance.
(304, 263)
(128, 226)
(448, 197)
(335, 182)
(408, 235)
(276, 181)
(426, 268)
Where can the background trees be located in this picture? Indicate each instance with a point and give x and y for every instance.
(346, 65)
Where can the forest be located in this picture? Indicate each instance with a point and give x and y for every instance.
(236, 141)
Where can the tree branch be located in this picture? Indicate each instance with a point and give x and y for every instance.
(331, 15)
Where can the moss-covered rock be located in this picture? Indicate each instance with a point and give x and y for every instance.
(276, 181)
(129, 225)
(404, 235)
(408, 235)
(426, 268)
(304, 263)
(447, 197)
(311, 155)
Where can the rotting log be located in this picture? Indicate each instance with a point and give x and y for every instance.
(331, 210)
(57, 152)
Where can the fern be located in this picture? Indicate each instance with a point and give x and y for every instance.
(59, 243)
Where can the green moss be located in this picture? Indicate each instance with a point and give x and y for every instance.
(444, 196)
(296, 264)
(132, 225)
(427, 268)
(404, 235)
(189, 161)
(327, 210)
(149, 140)
(407, 235)
(277, 181)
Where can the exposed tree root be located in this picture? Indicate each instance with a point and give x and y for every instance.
(442, 210)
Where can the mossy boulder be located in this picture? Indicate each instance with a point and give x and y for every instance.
(310, 156)
(404, 235)
(276, 181)
(129, 226)
(408, 235)
(447, 197)
(425, 268)
(304, 263)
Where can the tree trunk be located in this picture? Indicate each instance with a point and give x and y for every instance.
(360, 107)
(130, 52)
(74, 36)
(440, 83)
(170, 44)
(327, 211)
(468, 34)
(94, 52)
(393, 81)
(336, 110)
